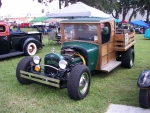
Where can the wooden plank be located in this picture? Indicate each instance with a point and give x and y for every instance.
(124, 48)
(110, 66)
(119, 44)
(124, 41)
(111, 46)
(104, 49)
(104, 60)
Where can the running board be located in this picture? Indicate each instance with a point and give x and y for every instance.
(110, 66)
(11, 54)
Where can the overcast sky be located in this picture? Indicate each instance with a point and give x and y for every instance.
(18, 7)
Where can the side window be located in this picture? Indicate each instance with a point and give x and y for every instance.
(2, 28)
(105, 32)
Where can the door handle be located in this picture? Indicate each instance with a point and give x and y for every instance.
(5, 38)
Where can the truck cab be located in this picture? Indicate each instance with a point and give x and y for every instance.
(103, 51)
(13, 43)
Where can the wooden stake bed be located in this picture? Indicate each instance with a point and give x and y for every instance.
(124, 41)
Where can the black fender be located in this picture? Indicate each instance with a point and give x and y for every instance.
(144, 79)
(30, 39)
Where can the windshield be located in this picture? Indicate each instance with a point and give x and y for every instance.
(86, 32)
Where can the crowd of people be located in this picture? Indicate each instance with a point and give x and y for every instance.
(131, 28)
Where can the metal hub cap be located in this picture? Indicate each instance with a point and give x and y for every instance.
(149, 96)
(83, 84)
(131, 60)
(31, 48)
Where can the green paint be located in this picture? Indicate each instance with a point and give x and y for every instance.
(52, 62)
(91, 49)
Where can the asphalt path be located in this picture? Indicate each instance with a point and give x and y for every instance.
(115, 108)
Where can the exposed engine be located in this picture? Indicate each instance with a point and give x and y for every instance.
(68, 52)
(69, 55)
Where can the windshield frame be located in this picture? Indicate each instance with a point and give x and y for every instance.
(89, 30)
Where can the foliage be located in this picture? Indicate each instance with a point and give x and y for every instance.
(114, 7)
(145, 9)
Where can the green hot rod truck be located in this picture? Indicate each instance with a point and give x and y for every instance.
(85, 48)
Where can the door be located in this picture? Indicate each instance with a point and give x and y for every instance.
(108, 53)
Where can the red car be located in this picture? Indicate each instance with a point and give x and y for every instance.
(24, 25)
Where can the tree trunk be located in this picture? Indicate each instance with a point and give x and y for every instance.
(116, 15)
(148, 14)
(66, 3)
(0, 3)
(76, 1)
(131, 16)
(59, 4)
(123, 15)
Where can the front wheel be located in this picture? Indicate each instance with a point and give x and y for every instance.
(23, 65)
(79, 82)
(144, 98)
(30, 49)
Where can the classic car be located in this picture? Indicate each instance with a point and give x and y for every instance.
(13, 43)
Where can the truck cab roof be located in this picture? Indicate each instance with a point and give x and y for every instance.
(87, 20)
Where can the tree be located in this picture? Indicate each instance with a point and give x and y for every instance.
(0, 3)
(114, 7)
(137, 5)
(146, 9)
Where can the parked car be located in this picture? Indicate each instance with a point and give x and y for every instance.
(14, 43)
(24, 25)
(84, 49)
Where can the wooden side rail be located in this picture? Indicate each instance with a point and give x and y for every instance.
(124, 41)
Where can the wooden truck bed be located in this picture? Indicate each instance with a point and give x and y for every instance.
(124, 41)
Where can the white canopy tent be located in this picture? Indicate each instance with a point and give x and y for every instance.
(54, 20)
(78, 9)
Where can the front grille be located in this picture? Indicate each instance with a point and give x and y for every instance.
(52, 61)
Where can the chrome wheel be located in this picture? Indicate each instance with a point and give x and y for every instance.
(131, 60)
(79, 82)
(83, 84)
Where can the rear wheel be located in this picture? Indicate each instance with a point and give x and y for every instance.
(30, 49)
(144, 98)
(23, 65)
(127, 58)
(79, 82)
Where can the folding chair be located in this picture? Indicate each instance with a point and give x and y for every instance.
(52, 38)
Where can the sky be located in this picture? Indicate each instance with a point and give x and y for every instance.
(22, 7)
(17, 8)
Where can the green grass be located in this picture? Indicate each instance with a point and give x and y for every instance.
(117, 87)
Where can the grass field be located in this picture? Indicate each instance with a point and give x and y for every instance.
(117, 87)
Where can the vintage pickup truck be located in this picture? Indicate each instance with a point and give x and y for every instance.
(18, 43)
(85, 48)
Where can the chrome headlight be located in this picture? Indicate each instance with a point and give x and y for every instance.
(62, 64)
(36, 59)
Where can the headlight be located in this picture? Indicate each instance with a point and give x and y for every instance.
(62, 64)
(36, 59)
